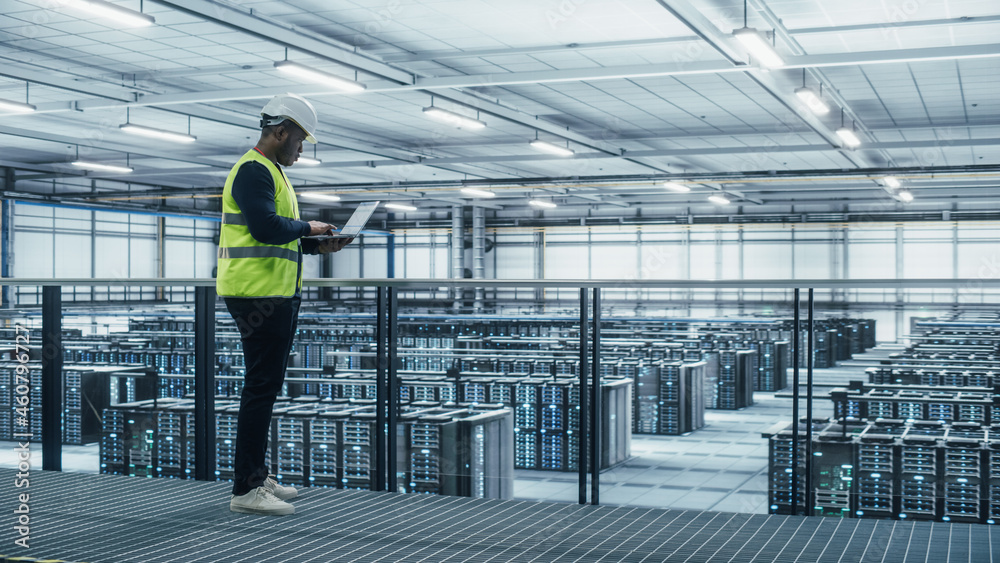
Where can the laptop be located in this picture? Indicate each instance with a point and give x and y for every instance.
(354, 225)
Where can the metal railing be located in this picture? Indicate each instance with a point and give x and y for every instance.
(386, 307)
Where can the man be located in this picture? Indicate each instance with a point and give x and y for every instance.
(260, 277)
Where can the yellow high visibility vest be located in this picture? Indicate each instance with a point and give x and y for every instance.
(248, 267)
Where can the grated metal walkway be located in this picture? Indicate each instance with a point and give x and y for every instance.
(105, 518)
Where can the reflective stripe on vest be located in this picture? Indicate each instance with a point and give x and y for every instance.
(248, 267)
(260, 252)
(233, 219)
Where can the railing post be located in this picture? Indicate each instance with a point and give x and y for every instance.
(795, 406)
(809, 404)
(204, 383)
(393, 386)
(595, 404)
(584, 412)
(381, 362)
(52, 380)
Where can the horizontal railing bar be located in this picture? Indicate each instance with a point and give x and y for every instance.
(432, 283)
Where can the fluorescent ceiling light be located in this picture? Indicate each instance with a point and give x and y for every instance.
(101, 167)
(312, 75)
(891, 181)
(154, 133)
(540, 203)
(400, 207)
(675, 187)
(719, 200)
(106, 10)
(906, 196)
(478, 193)
(550, 148)
(813, 101)
(309, 161)
(320, 197)
(759, 47)
(452, 118)
(849, 137)
(16, 107)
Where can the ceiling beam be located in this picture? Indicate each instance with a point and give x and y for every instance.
(427, 56)
(427, 84)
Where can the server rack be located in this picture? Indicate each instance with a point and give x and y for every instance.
(459, 451)
(772, 371)
(737, 373)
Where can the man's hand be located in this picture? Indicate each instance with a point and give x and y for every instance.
(333, 245)
(319, 228)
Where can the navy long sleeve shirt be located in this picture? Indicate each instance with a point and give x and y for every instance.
(253, 190)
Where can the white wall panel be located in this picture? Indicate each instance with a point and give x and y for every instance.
(660, 261)
(112, 257)
(33, 255)
(614, 261)
(514, 262)
(812, 261)
(927, 260)
(767, 261)
(72, 258)
(142, 257)
(566, 262)
(871, 260)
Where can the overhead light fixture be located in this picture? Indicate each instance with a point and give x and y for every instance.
(16, 107)
(675, 187)
(320, 197)
(96, 166)
(906, 196)
(551, 149)
(759, 47)
(312, 75)
(812, 100)
(154, 133)
(452, 118)
(849, 137)
(478, 193)
(400, 207)
(719, 200)
(309, 161)
(540, 203)
(106, 10)
(891, 181)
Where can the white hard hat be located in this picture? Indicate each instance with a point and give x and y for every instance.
(290, 106)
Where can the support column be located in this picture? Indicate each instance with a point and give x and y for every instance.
(457, 253)
(478, 253)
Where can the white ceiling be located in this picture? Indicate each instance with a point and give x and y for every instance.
(639, 94)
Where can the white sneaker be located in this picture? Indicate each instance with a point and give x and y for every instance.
(283, 492)
(260, 501)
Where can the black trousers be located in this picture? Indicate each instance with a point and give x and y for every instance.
(267, 328)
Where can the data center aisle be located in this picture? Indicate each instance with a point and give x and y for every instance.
(722, 466)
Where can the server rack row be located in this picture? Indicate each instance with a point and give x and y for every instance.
(948, 376)
(910, 402)
(446, 449)
(890, 469)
